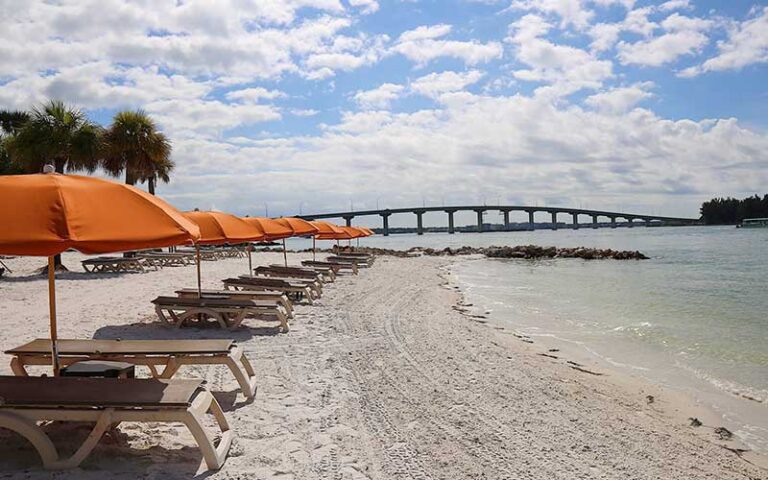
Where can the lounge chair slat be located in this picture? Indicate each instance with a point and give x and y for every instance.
(125, 347)
(96, 392)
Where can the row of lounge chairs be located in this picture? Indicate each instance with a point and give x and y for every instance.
(106, 402)
(154, 259)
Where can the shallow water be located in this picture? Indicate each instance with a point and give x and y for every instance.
(694, 317)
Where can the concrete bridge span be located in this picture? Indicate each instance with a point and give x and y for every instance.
(630, 218)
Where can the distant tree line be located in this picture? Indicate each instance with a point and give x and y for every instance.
(732, 210)
(57, 134)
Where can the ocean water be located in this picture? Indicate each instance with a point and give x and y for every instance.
(694, 317)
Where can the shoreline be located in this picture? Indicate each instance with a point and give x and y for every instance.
(381, 379)
(679, 406)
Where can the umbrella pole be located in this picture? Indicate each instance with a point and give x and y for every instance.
(250, 262)
(314, 244)
(285, 254)
(199, 282)
(52, 313)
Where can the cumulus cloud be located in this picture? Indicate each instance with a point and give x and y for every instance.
(683, 36)
(379, 97)
(426, 43)
(564, 68)
(435, 84)
(747, 44)
(621, 99)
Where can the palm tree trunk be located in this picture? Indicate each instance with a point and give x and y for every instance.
(130, 178)
(151, 185)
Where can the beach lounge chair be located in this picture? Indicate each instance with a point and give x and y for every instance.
(325, 274)
(314, 284)
(206, 254)
(227, 312)
(337, 267)
(289, 272)
(295, 291)
(359, 262)
(365, 258)
(108, 402)
(163, 357)
(276, 298)
(116, 265)
(162, 259)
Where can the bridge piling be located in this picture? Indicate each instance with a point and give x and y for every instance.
(451, 228)
(419, 223)
(348, 219)
(506, 220)
(531, 223)
(613, 222)
(554, 220)
(594, 221)
(575, 217)
(385, 223)
(480, 220)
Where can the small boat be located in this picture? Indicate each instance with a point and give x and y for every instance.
(754, 223)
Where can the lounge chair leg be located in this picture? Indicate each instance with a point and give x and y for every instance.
(170, 369)
(247, 379)
(18, 368)
(34, 434)
(104, 423)
(213, 456)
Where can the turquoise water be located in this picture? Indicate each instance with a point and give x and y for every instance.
(694, 317)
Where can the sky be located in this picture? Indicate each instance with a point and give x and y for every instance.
(283, 107)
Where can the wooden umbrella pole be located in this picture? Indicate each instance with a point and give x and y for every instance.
(52, 313)
(199, 281)
(250, 262)
(314, 245)
(285, 254)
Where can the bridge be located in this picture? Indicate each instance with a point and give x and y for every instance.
(630, 218)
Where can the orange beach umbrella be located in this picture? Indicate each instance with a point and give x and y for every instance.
(217, 228)
(299, 227)
(46, 214)
(273, 230)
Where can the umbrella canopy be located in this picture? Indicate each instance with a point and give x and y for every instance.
(46, 214)
(368, 232)
(340, 233)
(354, 232)
(299, 227)
(272, 229)
(326, 228)
(217, 228)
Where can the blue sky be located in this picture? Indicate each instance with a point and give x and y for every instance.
(319, 104)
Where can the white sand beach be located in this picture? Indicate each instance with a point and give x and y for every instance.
(383, 378)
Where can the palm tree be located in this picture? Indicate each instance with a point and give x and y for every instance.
(55, 133)
(161, 171)
(134, 145)
(10, 123)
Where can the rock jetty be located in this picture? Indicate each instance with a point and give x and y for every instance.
(520, 251)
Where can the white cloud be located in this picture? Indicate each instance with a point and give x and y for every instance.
(747, 44)
(425, 44)
(304, 112)
(675, 5)
(435, 84)
(208, 118)
(684, 36)
(618, 101)
(476, 145)
(380, 97)
(571, 12)
(367, 6)
(253, 95)
(425, 32)
(566, 69)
